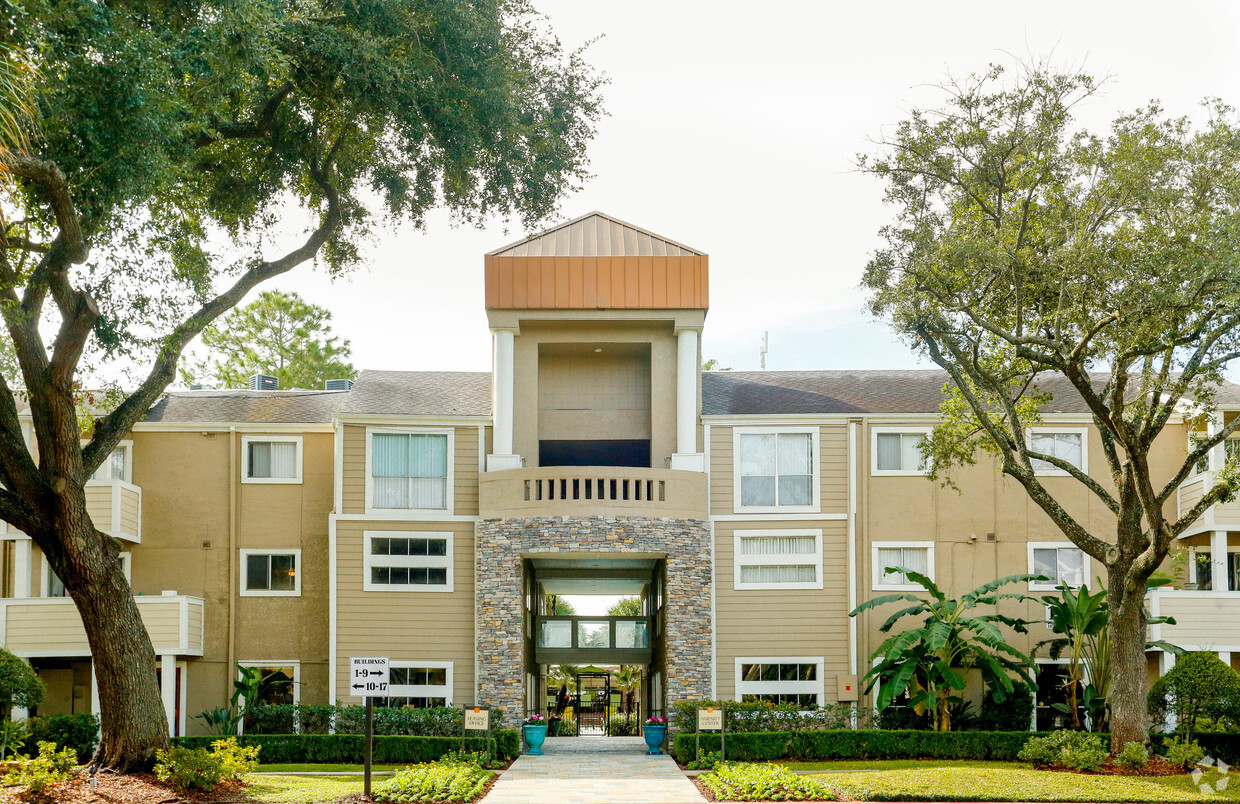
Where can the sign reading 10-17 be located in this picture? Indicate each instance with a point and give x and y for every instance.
(369, 676)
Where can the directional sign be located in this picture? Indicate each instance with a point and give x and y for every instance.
(369, 676)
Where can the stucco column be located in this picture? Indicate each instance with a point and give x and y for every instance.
(21, 568)
(168, 689)
(687, 367)
(501, 456)
(1218, 560)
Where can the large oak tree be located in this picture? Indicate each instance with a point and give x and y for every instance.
(1026, 253)
(177, 148)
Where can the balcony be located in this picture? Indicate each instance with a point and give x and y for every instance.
(592, 640)
(116, 508)
(592, 491)
(50, 626)
(1205, 620)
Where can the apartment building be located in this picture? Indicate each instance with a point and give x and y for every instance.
(426, 516)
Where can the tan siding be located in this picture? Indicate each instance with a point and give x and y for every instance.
(131, 511)
(1227, 514)
(1190, 494)
(353, 481)
(1198, 621)
(465, 468)
(765, 623)
(721, 470)
(56, 628)
(196, 620)
(406, 626)
(99, 505)
(833, 467)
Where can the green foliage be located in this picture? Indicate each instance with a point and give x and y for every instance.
(437, 721)
(626, 607)
(50, 767)
(277, 749)
(707, 761)
(929, 664)
(568, 726)
(1199, 686)
(1013, 713)
(235, 760)
(19, 683)
(17, 102)
(1133, 755)
(13, 736)
(740, 781)
(762, 716)
(435, 781)
(79, 732)
(479, 758)
(198, 769)
(1182, 752)
(622, 726)
(278, 334)
(220, 720)
(858, 744)
(1074, 750)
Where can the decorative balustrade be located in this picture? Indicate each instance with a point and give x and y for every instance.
(593, 490)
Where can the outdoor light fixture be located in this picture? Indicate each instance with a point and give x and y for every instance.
(599, 349)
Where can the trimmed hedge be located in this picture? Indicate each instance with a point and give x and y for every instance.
(437, 721)
(861, 744)
(349, 748)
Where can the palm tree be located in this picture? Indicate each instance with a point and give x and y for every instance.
(626, 607)
(628, 680)
(16, 99)
(930, 663)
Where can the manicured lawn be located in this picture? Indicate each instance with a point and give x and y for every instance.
(990, 783)
(323, 768)
(895, 764)
(301, 789)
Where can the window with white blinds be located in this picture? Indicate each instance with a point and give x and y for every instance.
(1068, 446)
(271, 459)
(409, 470)
(116, 467)
(912, 556)
(784, 559)
(897, 451)
(1059, 563)
(776, 469)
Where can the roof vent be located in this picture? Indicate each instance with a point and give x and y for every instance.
(264, 382)
(200, 386)
(344, 384)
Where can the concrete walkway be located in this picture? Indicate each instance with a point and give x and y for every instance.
(593, 770)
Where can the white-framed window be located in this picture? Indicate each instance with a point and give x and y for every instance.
(409, 469)
(776, 469)
(781, 680)
(778, 559)
(52, 586)
(1062, 563)
(281, 681)
(896, 451)
(118, 466)
(1069, 444)
(1231, 446)
(916, 556)
(407, 561)
(1201, 570)
(271, 459)
(270, 573)
(418, 684)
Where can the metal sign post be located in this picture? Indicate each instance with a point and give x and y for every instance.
(369, 678)
(476, 718)
(710, 719)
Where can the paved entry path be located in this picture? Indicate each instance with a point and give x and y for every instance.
(593, 770)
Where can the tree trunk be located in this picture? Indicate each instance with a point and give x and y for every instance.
(1127, 693)
(133, 722)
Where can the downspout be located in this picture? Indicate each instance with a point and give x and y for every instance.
(852, 562)
(232, 553)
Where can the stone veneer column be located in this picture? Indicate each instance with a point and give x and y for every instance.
(499, 548)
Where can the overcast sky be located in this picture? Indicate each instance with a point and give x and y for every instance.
(733, 128)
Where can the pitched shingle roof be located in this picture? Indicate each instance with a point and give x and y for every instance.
(258, 407)
(421, 393)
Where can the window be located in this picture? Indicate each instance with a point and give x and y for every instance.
(270, 573)
(897, 450)
(279, 682)
(419, 684)
(783, 559)
(1052, 692)
(916, 556)
(776, 469)
(1061, 563)
(1231, 447)
(1066, 445)
(1201, 570)
(407, 561)
(116, 467)
(409, 470)
(271, 459)
(781, 680)
(54, 587)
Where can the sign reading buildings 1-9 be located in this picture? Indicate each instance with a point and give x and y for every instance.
(369, 676)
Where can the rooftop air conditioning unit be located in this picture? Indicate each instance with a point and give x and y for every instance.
(199, 386)
(338, 385)
(264, 382)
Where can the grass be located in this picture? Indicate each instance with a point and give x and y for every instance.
(990, 783)
(894, 764)
(323, 768)
(301, 789)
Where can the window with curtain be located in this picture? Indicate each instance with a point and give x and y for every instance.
(409, 470)
(899, 452)
(915, 558)
(1065, 446)
(55, 586)
(790, 560)
(272, 460)
(408, 562)
(1063, 565)
(776, 469)
(271, 572)
(113, 468)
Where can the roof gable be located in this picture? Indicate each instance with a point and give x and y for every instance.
(596, 235)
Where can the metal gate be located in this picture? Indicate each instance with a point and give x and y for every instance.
(593, 704)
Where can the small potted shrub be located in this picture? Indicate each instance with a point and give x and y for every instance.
(553, 725)
(535, 730)
(655, 730)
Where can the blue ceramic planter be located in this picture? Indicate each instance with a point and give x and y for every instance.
(654, 738)
(534, 736)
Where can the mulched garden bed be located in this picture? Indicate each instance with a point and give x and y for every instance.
(111, 788)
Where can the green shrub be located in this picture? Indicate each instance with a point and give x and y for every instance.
(435, 781)
(1134, 755)
(621, 726)
(479, 758)
(859, 744)
(1013, 713)
(50, 767)
(708, 761)
(1074, 750)
(740, 781)
(349, 749)
(752, 716)
(440, 721)
(903, 718)
(79, 732)
(186, 769)
(1182, 753)
(568, 726)
(1199, 688)
(20, 685)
